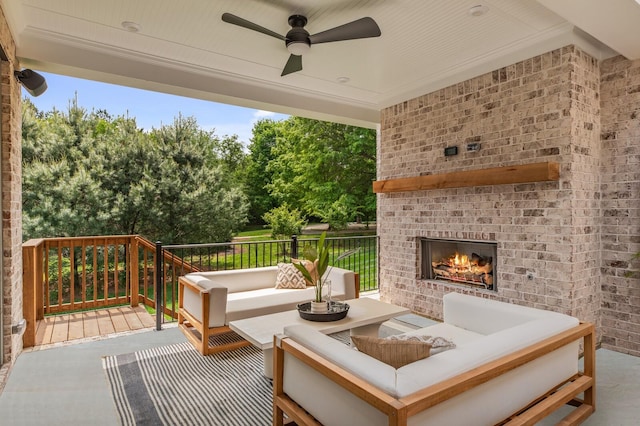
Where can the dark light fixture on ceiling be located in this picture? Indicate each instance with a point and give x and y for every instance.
(298, 40)
(33, 82)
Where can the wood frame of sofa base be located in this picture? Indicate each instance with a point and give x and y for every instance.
(198, 334)
(399, 410)
(194, 330)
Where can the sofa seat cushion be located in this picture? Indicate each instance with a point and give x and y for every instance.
(248, 304)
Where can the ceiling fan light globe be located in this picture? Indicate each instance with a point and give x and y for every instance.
(298, 48)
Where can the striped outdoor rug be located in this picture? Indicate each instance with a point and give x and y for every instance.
(175, 385)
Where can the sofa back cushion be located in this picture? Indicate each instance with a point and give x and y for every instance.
(486, 316)
(242, 279)
(238, 280)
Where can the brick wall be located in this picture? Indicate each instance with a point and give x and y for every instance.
(582, 176)
(620, 94)
(546, 108)
(11, 189)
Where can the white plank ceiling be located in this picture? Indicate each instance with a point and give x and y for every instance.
(183, 47)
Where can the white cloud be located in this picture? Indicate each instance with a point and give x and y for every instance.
(260, 113)
(244, 130)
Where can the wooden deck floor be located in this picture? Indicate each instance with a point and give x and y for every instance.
(92, 324)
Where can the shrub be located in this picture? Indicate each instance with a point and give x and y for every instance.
(284, 222)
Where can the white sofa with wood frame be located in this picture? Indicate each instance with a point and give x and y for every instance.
(510, 364)
(208, 301)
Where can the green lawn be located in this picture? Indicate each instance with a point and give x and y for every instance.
(255, 232)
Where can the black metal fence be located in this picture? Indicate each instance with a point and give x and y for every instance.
(244, 255)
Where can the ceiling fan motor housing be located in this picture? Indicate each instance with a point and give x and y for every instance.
(297, 34)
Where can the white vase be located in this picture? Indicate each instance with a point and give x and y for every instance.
(319, 307)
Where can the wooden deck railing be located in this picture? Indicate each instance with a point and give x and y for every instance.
(79, 273)
(62, 275)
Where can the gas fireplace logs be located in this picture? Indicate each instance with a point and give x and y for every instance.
(475, 270)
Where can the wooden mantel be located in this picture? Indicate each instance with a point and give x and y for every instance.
(536, 172)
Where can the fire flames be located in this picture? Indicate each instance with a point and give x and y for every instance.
(459, 267)
(460, 261)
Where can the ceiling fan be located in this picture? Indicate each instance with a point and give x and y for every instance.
(298, 41)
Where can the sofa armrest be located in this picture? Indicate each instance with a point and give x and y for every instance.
(342, 392)
(376, 372)
(196, 304)
(343, 281)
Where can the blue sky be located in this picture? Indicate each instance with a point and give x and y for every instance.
(150, 109)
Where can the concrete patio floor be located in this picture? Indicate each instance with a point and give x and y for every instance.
(66, 385)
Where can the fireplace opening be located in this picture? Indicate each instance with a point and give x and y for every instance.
(470, 263)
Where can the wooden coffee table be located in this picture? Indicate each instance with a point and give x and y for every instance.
(364, 318)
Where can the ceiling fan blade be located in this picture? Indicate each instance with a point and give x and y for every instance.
(236, 20)
(294, 64)
(361, 28)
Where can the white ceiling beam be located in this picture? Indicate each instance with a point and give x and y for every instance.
(101, 64)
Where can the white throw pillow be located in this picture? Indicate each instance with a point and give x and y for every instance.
(289, 277)
(438, 344)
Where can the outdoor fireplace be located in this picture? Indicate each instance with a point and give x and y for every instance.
(470, 263)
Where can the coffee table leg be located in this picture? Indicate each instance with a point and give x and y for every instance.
(268, 363)
(366, 330)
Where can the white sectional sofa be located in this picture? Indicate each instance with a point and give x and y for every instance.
(506, 358)
(208, 301)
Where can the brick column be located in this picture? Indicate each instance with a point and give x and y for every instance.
(11, 190)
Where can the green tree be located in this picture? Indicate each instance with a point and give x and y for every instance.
(326, 168)
(201, 201)
(229, 151)
(60, 195)
(91, 174)
(338, 213)
(287, 168)
(258, 176)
